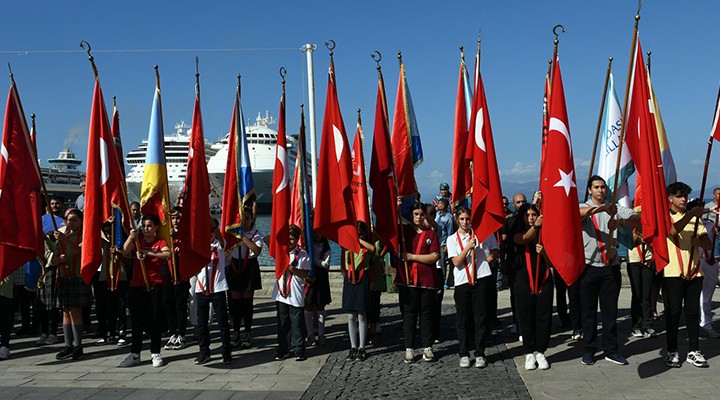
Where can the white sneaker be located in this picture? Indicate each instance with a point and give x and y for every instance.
(542, 362)
(530, 362)
(464, 362)
(480, 362)
(409, 356)
(52, 339)
(157, 360)
(171, 342)
(130, 360)
(4, 353)
(42, 339)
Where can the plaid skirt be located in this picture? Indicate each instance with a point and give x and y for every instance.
(73, 292)
(47, 295)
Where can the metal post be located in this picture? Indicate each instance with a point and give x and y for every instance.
(308, 50)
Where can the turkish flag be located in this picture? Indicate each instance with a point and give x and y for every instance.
(279, 224)
(334, 212)
(359, 183)
(488, 213)
(194, 229)
(382, 174)
(642, 142)
(562, 236)
(21, 236)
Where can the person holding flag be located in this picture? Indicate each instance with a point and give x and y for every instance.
(471, 261)
(417, 279)
(601, 279)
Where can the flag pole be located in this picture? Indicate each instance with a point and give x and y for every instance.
(692, 268)
(362, 149)
(401, 230)
(626, 109)
(600, 118)
(41, 279)
(308, 49)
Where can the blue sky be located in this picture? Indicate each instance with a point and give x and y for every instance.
(517, 43)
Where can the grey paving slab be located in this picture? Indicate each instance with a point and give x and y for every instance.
(212, 395)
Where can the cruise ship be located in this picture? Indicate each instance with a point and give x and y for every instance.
(63, 177)
(176, 155)
(261, 147)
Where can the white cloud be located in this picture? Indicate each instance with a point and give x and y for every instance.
(521, 171)
(436, 175)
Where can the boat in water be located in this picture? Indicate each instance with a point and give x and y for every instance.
(63, 177)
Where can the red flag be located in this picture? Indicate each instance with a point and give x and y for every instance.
(116, 138)
(295, 217)
(461, 176)
(642, 142)
(715, 131)
(105, 190)
(562, 236)
(194, 229)
(232, 203)
(382, 174)
(334, 212)
(487, 214)
(279, 225)
(359, 182)
(21, 236)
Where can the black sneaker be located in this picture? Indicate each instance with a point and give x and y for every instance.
(78, 354)
(352, 355)
(300, 357)
(227, 359)
(65, 353)
(361, 355)
(202, 358)
(616, 359)
(588, 359)
(672, 360)
(279, 356)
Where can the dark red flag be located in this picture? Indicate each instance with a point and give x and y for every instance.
(279, 224)
(359, 182)
(382, 174)
(21, 236)
(334, 212)
(461, 174)
(642, 142)
(194, 230)
(562, 236)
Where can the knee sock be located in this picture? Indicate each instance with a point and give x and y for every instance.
(68, 334)
(248, 313)
(321, 323)
(77, 334)
(309, 325)
(362, 328)
(353, 329)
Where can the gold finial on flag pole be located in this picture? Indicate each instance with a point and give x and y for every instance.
(83, 44)
(377, 57)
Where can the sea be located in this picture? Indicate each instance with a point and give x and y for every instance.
(263, 224)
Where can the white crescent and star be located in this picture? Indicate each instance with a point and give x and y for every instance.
(282, 157)
(337, 136)
(479, 122)
(567, 179)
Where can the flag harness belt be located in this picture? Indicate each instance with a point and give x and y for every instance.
(211, 283)
(470, 275)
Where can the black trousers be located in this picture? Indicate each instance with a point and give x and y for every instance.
(437, 311)
(373, 311)
(561, 304)
(534, 312)
(219, 303)
(115, 308)
(574, 307)
(146, 314)
(291, 328)
(491, 296)
(600, 284)
(470, 303)
(677, 291)
(175, 299)
(418, 302)
(7, 315)
(641, 277)
(99, 290)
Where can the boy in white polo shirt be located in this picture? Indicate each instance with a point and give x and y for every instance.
(289, 296)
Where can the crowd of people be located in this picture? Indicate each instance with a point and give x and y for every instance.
(440, 251)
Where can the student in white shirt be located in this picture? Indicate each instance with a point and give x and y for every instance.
(471, 282)
(289, 296)
(211, 289)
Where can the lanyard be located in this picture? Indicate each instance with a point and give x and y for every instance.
(414, 272)
(528, 264)
(598, 237)
(285, 281)
(470, 275)
(352, 268)
(211, 282)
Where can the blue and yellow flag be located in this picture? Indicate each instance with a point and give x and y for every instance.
(154, 193)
